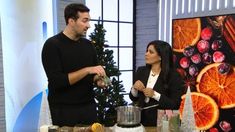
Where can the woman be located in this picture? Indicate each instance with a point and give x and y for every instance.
(157, 82)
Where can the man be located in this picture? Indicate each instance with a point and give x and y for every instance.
(70, 63)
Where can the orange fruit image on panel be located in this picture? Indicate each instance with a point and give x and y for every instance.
(221, 87)
(185, 33)
(206, 112)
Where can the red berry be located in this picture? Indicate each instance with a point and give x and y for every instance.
(184, 62)
(196, 58)
(224, 68)
(213, 130)
(193, 70)
(206, 58)
(218, 56)
(203, 46)
(206, 33)
(216, 44)
(225, 126)
(174, 58)
(188, 51)
(182, 72)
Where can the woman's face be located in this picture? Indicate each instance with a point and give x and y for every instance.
(151, 56)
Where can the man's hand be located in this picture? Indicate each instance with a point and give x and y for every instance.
(81, 73)
(98, 70)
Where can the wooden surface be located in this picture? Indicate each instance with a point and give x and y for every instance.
(147, 129)
(87, 129)
(151, 129)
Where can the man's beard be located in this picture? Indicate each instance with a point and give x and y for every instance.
(79, 35)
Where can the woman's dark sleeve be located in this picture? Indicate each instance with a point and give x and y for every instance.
(136, 77)
(175, 90)
(53, 66)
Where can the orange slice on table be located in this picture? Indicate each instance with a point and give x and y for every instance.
(206, 112)
(186, 32)
(218, 86)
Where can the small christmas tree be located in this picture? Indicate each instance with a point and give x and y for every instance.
(188, 120)
(112, 96)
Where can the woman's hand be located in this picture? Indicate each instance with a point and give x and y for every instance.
(148, 92)
(138, 85)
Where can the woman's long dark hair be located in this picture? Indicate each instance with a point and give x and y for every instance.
(165, 52)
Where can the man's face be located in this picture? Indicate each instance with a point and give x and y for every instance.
(81, 25)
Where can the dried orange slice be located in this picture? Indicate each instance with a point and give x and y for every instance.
(206, 112)
(186, 32)
(218, 86)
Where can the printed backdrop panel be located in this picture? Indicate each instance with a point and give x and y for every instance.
(204, 55)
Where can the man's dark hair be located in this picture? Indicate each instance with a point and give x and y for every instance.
(71, 11)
